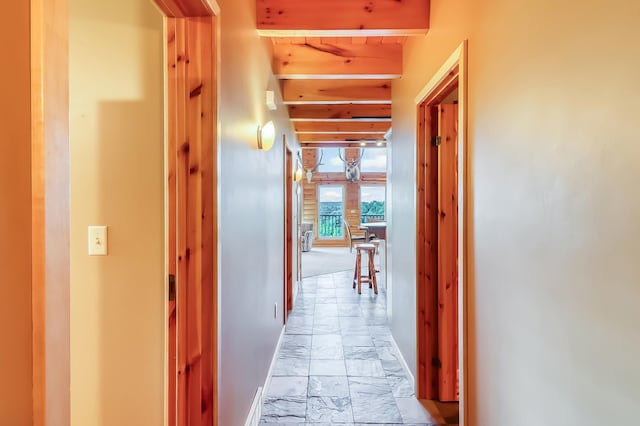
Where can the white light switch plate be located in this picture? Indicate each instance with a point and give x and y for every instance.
(97, 241)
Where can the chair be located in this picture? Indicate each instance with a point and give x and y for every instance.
(350, 236)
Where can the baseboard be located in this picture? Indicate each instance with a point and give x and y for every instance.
(274, 359)
(405, 366)
(255, 412)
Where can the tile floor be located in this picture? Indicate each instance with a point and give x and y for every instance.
(336, 365)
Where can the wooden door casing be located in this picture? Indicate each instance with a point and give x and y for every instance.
(448, 252)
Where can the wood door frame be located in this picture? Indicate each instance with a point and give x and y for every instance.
(50, 214)
(452, 72)
(192, 55)
(288, 229)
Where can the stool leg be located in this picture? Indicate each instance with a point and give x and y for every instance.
(356, 272)
(359, 271)
(372, 267)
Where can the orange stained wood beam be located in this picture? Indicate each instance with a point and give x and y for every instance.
(344, 137)
(339, 112)
(336, 91)
(340, 18)
(187, 8)
(342, 127)
(341, 60)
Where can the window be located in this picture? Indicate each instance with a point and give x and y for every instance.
(372, 203)
(330, 209)
(374, 160)
(331, 161)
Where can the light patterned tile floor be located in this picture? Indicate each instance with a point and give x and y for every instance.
(337, 365)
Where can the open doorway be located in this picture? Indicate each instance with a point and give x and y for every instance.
(440, 240)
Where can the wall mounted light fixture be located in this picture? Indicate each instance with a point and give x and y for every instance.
(266, 136)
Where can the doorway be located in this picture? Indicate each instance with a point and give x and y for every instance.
(440, 242)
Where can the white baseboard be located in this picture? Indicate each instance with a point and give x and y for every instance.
(255, 412)
(274, 358)
(405, 366)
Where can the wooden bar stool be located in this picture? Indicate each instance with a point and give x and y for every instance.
(370, 278)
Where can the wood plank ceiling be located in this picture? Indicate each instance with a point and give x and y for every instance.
(336, 60)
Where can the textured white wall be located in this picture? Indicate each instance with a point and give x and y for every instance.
(555, 206)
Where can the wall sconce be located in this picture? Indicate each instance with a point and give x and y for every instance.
(298, 175)
(266, 136)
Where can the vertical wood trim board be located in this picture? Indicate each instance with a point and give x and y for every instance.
(448, 253)
(50, 212)
(426, 254)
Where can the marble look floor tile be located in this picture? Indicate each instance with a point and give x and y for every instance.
(327, 368)
(327, 352)
(379, 410)
(326, 340)
(356, 340)
(319, 319)
(401, 387)
(326, 329)
(329, 314)
(333, 409)
(287, 386)
(393, 368)
(326, 310)
(354, 330)
(328, 386)
(298, 329)
(284, 410)
(364, 368)
(346, 300)
(291, 367)
(360, 352)
(295, 346)
(387, 353)
(369, 387)
(349, 310)
(412, 411)
(381, 341)
(325, 300)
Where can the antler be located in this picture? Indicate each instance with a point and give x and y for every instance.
(319, 163)
(353, 161)
(340, 155)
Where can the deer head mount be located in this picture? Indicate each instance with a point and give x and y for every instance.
(309, 172)
(352, 167)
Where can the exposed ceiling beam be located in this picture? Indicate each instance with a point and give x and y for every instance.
(341, 145)
(340, 18)
(336, 112)
(336, 91)
(346, 137)
(342, 127)
(317, 60)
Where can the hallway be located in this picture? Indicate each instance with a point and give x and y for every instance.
(337, 365)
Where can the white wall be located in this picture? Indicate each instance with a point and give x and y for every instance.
(555, 166)
(117, 179)
(252, 213)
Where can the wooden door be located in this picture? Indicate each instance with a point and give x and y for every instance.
(192, 218)
(448, 252)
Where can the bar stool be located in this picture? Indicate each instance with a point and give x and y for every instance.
(370, 278)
